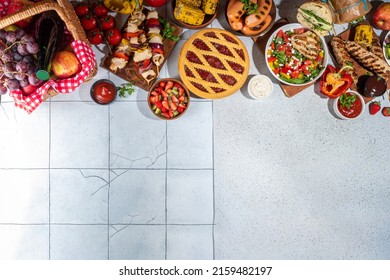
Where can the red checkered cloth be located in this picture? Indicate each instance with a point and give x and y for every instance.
(87, 59)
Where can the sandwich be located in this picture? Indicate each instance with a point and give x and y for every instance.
(317, 16)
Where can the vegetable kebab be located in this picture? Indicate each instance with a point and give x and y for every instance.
(142, 39)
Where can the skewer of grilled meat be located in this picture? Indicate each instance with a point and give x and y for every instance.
(343, 58)
(369, 60)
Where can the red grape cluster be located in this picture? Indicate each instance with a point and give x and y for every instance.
(17, 61)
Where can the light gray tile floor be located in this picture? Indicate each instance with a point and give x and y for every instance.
(232, 179)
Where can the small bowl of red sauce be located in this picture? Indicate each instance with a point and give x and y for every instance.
(103, 91)
(349, 106)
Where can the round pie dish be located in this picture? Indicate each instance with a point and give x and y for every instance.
(103, 92)
(213, 63)
(292, 66)
(168, 99)
(208, 19)
(355, 110)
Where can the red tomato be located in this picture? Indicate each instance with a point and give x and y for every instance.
(82, 10)
(280, 34)
(114, 36)
(282, 47)
(152, 21)
(155, 3)
(107, 22)
(95, 36)
(89, 22)
(100, 10)
(295, 74)
(144, 63)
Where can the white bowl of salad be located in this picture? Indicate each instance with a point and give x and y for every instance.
(295, 55)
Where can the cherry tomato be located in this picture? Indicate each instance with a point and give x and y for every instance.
(95, 36)
(107, 22)
(100, 10)
(114, 36)
(143, 64)
(82, 10)
(88, 22)
(155, 3)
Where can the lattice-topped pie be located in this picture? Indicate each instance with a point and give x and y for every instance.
(213, 63)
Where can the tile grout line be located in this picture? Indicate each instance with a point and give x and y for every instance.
(213, 157)
(49, 179)
(104, 168)
(109, 183)
(166, 189)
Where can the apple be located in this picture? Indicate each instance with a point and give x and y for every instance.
(65, 64)
(381, 16)
(27, 90)
(155, 3)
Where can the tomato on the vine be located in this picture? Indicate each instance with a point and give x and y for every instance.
(114, 36)
(100, 10)
(107, 22)
(82, 10)
(95, 36)
(88, 22)
(155, 3)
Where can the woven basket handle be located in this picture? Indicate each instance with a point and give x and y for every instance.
(43, 6)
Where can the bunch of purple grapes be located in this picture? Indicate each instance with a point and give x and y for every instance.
(17, 61)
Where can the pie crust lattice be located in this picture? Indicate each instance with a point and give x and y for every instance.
(213, 63)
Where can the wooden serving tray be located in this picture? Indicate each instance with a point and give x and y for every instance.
(130, 71)
(261, 42)
(362, 72)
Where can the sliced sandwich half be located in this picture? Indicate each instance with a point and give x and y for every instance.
(317, 16)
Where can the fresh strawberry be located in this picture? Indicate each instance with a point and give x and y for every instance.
(386, 111)
(374, 107)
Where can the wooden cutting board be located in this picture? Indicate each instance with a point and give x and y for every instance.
(130, 71)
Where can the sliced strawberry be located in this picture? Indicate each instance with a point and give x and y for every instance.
(165, 104)
(182, 105)
(159, 105)
(172, 105)
(162, 84)
(152, 99)
(181, 98)
(170, 112)
(169, 85)
(374, 107)
(166, 114)
(164, 93)
(174, 99)
(180, 109)
(154, 93)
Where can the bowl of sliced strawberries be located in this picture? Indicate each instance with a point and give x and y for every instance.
(168, 99)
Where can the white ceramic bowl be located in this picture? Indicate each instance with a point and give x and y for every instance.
(386, 39)
(290, 27)
(341, 116)
(260, 87)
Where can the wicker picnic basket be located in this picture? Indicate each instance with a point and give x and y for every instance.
(65, 11)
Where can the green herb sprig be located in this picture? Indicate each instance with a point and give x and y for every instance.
(347, 100)
(249, 7)
(125, 90)
(167, 30)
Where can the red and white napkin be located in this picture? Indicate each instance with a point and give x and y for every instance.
(87, 59)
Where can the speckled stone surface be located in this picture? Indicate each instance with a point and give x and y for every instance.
(292, 181)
